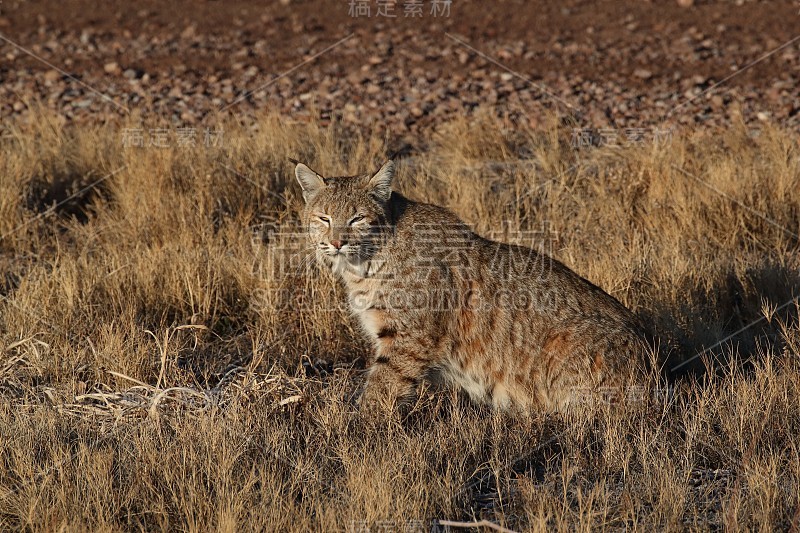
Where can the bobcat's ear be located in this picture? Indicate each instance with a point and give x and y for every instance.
(309, 181)
(380, 185)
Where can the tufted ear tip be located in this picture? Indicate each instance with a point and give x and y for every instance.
(380, 185)
(310, 181)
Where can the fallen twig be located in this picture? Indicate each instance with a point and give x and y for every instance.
(482, 523)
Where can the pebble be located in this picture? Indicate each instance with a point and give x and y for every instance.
(52, 75)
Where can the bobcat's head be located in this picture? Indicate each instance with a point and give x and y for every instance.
(344, 216)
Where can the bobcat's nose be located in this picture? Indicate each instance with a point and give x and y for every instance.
(338, 244)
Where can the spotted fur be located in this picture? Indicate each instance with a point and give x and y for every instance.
(512, 327)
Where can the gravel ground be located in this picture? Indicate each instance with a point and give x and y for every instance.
(624, 68)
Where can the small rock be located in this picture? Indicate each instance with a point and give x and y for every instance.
(643, 73)
(189, 32)
(52, 75)
(111, 68)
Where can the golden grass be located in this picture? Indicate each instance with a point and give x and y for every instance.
(170, 359)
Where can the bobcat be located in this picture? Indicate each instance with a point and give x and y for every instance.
(513, 327)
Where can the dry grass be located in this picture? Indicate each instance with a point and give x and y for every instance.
(167, 363)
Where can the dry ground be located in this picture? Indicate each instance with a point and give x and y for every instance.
(609, 63)
(167, 361)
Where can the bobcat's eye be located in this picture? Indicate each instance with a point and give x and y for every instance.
(356, 219)
(324, 219)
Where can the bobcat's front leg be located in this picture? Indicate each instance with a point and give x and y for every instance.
(392, 380)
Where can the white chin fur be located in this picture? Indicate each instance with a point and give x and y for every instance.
(341, 263)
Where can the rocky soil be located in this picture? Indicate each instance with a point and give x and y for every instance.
(629, 69)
